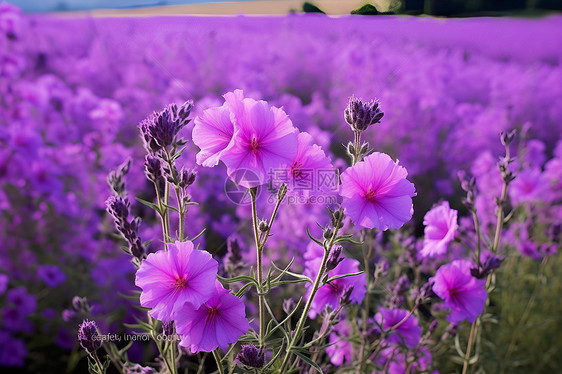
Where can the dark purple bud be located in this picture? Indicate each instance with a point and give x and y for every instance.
(491, 264)
(337, 218)
(233, 260)
(360, 115)
(116, 178)
(251, 356)
(160, 129)
(168, 328)
(334, 258)
(89, 337)
(433, 326)
(118, 208)
(328, 233)
(345, 298)
(187, 177)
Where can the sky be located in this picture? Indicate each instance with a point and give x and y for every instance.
(62, 5)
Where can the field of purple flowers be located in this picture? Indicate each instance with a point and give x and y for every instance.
(222, 194)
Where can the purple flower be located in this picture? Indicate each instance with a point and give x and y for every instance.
(303, 171)
(51, 275)
(89, 337)
(160, 129)
(464, 294)
(216, 323)
(19, 298)
(330, 293)
(264, 139)
(171, 278)
(213, 132)
(341, 349)
(12, 351)
(360, 115)
(14, 319)
(408, 332)
(440, 228)
(376, 193)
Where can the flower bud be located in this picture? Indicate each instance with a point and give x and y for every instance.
(251, 356)
(89, 337)
(360, 115)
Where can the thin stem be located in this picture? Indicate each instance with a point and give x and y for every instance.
(261, 307)
(217, 357)
(366, 258)
(98, 362)
(405, 318)
(172, 348)
(315, 287)
(469, 347)
(182, 214)
(479, 244)
(162, 219)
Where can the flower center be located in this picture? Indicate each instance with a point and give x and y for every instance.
(254, 145)
(181, 283)
(371, 195)
(296, 169)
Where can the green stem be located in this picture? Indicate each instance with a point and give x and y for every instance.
(182, 214)
(261, 306)
(469, 346)
(296, 336)
(162, 219)
(217, 357)
(98, 362)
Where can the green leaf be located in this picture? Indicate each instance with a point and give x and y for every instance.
(309, 361)
(171, 207)
(313, 238)
(239, 278)
(331, 279)
(198, 235)
(149, 204)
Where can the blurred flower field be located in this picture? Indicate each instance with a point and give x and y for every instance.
(446, 259)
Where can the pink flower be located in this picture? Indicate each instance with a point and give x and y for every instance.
(245, 134)
(464, 294)
(264, 139)
(213, 133)
(216, 323)
(169, 279)
(440, 228)
(376, 193)
(408, 332)
(304, 172)
(330, 293)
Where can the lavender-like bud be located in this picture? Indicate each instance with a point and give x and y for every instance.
(337, 218)
(160, 129)
(360, 115)
(345, 298)
(89, 337)
(118, 207)
(187, 177)
(251, 356)
(328, 233)
(335, 258)
(491, 264)
(115, 178)
(168, 328)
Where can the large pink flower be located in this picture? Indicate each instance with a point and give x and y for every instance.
(264, 139)
(169, 279)
(216, 323)
(376, 193)
(440, 228)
